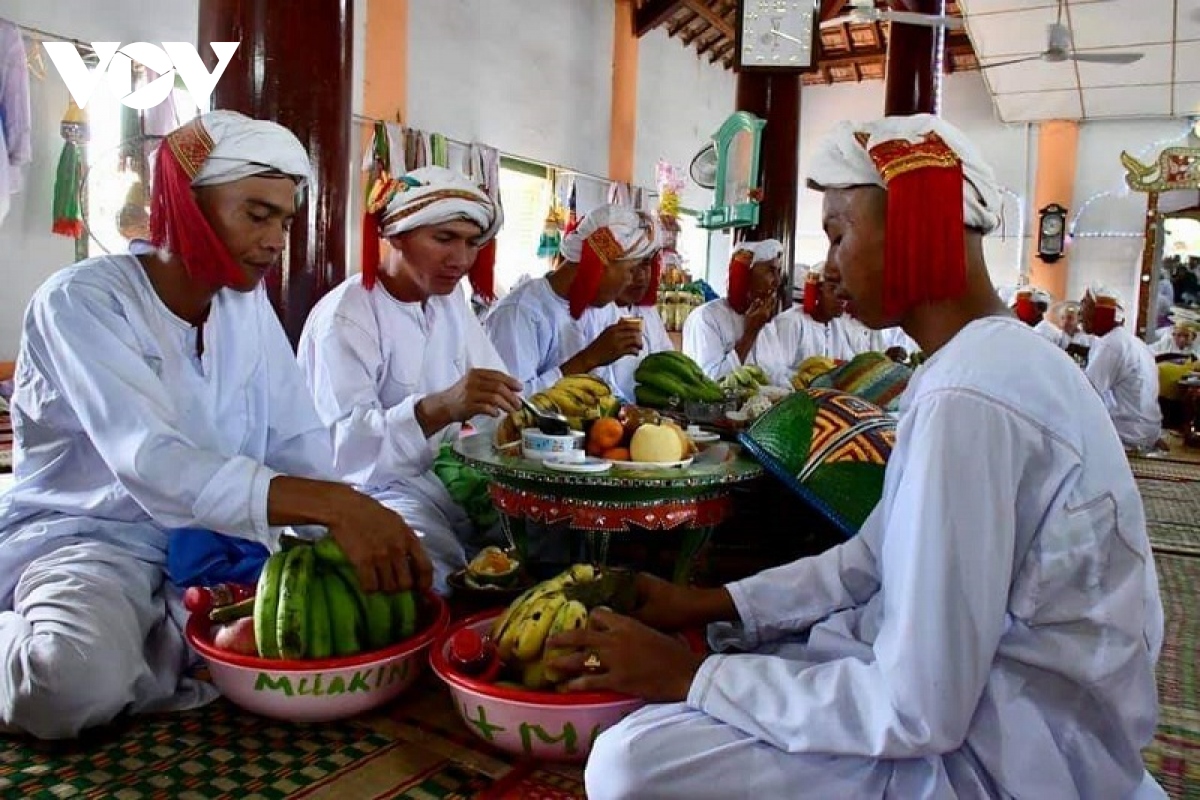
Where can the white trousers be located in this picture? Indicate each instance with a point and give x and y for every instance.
(673, 751)
(444, 528)
(93, 632)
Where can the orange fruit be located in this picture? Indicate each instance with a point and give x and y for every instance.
(606, 433)
(617, 454)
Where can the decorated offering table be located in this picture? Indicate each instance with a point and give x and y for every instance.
(621, 501)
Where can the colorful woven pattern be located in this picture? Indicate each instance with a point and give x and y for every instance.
(872, 376)
(6, 441)
(830, 448)
(416, 749)
(1174, 756)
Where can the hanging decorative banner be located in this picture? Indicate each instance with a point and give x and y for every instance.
(68, 216)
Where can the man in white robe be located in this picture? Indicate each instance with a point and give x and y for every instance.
(156, 394)
(992, 630)
(1122, 369)
(639, 300)
(1179, 340)
(725, 333)
(817, 327)
(558, 325)
(1062, 327)
(396, 361)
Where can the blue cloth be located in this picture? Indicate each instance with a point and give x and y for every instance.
(198, 557)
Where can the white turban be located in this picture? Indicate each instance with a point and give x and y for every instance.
(433, 195)
(842, 161)
(1185, 318)
(243, 147)
(634, 231)
(766, 250)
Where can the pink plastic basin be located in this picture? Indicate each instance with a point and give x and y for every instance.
(543, 725)
(318, 690)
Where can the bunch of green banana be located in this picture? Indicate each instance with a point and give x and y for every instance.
(559, 604)
(748, 377)
(309, 604)
(662, 376)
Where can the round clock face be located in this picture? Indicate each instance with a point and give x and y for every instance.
(1052, 225)
(777, 33)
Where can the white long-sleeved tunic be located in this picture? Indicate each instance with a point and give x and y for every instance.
(654, 340)
(369, 359)
(124, 431)
(1122, 369)
(533, 331)
(793, 336)
(991, 631)
(710, 337)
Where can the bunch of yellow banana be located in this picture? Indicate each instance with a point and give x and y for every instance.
(576, 397)
(309, 604)
(810, 369)
(580, 396)
(551, 607)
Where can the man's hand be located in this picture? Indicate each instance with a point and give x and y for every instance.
(479, 392)
(668, 606)
(623, 338)
(760, 312)
(619, 654)
(385, 552)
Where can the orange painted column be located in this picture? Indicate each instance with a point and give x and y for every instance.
(1057, 153)
(622, 136)
(385, 78)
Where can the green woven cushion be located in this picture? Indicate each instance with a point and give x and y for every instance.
(871, 376)
(830, 447)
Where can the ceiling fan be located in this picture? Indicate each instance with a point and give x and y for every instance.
(1058, 49)
(865, 11)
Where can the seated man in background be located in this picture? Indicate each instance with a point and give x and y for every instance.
(991, 631)
(558, 325)
(1180, 340)
(396, 360)
(724, 334)
(154, 392)
(819, 326)
(639, 300)
(1121, 368)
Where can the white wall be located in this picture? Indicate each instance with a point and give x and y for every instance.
(1114, 260)
(682, 100)
(30, 252)
(965, 103)
(531, 78)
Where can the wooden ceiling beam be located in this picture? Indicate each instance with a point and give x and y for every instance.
(719, 51)
(652, 14)
(681, 22)
(711, 17)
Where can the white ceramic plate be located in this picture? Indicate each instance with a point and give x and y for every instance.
(704, 437)
(651, 464)
(589, 464)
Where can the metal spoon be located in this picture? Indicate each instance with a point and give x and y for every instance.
(549, 423)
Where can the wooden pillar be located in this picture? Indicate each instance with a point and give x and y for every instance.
(622, 137)
(294, 67)
(775, 97)
(913, 70)
(1054, 182)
